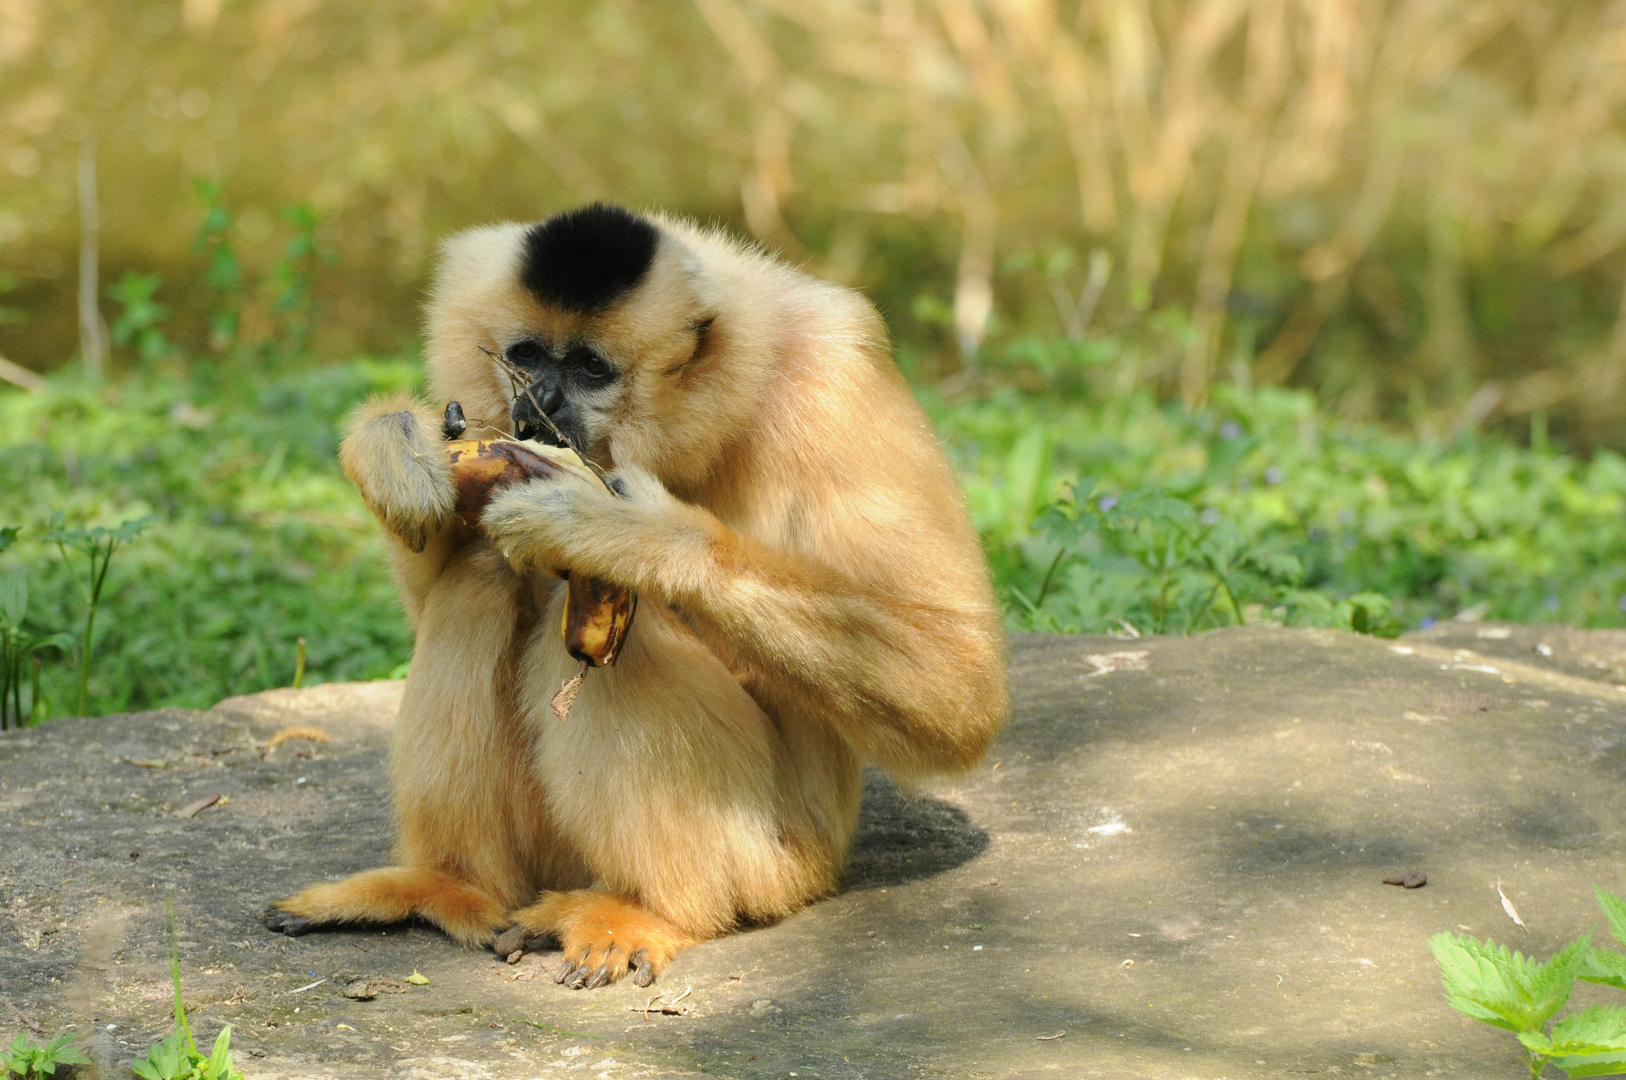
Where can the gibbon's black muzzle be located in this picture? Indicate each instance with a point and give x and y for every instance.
(528, 422)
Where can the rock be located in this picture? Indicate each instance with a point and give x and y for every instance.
(1174, 855)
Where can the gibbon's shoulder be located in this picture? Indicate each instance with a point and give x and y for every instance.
(795, 302)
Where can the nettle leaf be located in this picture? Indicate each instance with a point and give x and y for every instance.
(1614, 909)
(1596, 1029)
(1593, 1065)
(1502, 988)
(1605, 966)
(131, 529)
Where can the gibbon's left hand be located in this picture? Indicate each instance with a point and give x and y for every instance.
(565, 522)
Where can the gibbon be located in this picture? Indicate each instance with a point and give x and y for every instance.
(811, 595)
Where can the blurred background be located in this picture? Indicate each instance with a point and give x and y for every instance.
(1412, 206)
(1303, 311)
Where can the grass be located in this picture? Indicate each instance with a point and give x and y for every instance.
(1438, 527)
(1100, 506)
(258, 541)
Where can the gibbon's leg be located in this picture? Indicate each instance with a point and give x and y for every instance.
(391, 894)
(682, 798)
(473, 835)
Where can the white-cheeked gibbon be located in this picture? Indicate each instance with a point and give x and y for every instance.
(811, 597)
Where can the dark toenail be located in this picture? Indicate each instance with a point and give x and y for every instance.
(600, 977)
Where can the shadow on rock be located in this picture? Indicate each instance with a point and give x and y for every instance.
(904, 837)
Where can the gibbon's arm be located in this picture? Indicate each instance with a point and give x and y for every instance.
(915, 687)
(392, 451)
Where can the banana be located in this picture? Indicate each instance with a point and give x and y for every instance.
(597, 615)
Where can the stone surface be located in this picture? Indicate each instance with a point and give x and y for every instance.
(1175, 855)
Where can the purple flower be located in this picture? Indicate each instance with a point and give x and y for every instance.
(1107, 502)
(1428, 621)
(1230, 430)
(1273, 475)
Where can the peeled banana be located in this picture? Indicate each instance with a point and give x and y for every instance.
(597, 615)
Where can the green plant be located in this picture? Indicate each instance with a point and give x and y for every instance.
(1407, 530)
(1520, 994)
(97, 545)
(223, 273)
(27, 1059)
(176, 1056)
(1150, 560)
(142, 321)
(16, 647)
(293, 278)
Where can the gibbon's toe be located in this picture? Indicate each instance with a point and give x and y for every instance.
(509, 941)
(284, 922)
(603, 936)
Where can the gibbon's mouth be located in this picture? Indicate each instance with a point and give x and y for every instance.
(527, 431)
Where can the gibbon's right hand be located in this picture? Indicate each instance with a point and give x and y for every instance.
(392, 452)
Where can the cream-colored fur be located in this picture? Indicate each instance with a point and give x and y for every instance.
(812, 597)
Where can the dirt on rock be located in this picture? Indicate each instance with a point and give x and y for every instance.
(1172, 864)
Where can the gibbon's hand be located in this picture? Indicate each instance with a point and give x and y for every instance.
(392, 451)
(555, 524)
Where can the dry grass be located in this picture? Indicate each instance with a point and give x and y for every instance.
(1398, 200)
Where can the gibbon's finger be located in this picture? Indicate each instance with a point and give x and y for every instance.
(530, 522)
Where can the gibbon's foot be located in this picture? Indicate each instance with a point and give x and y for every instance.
(604, 936)
(389, 895)
(284, 922)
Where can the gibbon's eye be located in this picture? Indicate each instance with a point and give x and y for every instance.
(591, 364)
(525, 352)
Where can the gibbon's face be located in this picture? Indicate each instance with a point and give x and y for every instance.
(589, 323)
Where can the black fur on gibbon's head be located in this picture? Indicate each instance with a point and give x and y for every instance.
(583, 260)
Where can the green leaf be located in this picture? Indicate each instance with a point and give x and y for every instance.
(63, 1051)
(1596, 1029)
(13, 598)
(8, 536)
(131, 529)
(219, 1066)
(1506, 989)
(59, 640)
(1614, 909)
(1605, 966)
(1593, 1065)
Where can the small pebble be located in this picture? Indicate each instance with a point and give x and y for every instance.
(1413, 880)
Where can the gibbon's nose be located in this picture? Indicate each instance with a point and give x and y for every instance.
(548, 395)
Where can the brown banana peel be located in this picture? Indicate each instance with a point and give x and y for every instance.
(597, 615)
